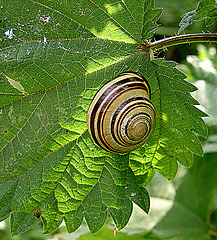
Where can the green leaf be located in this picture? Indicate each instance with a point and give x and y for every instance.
(180, 208)
(22, 222)
(177, 121)
(187, 19)
(150, 18)
(73, 19)
(54, 57)
(211, 17)
(192, 200)
(203, 8)
(206, 9)
(200, 199)
(51, 216)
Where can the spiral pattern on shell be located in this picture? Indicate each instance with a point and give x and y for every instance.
(121, 116)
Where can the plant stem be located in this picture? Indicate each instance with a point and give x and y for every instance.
(182, 39)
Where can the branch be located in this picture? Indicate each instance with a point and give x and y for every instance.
(182, 39)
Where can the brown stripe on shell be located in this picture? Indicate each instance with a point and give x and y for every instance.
(110, 138)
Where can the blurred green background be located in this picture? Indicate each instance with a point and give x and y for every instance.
(169, 25)
(186, 207)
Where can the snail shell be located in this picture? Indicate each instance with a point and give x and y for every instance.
(121, 116)
(37, 213)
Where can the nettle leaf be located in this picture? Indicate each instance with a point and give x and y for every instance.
(54, 57)
(206, 9)
(187, 20)
(178, 120)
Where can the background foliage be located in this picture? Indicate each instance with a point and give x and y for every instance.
(38, 60)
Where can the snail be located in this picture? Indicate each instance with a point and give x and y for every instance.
(37, 213)
(121, 117)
